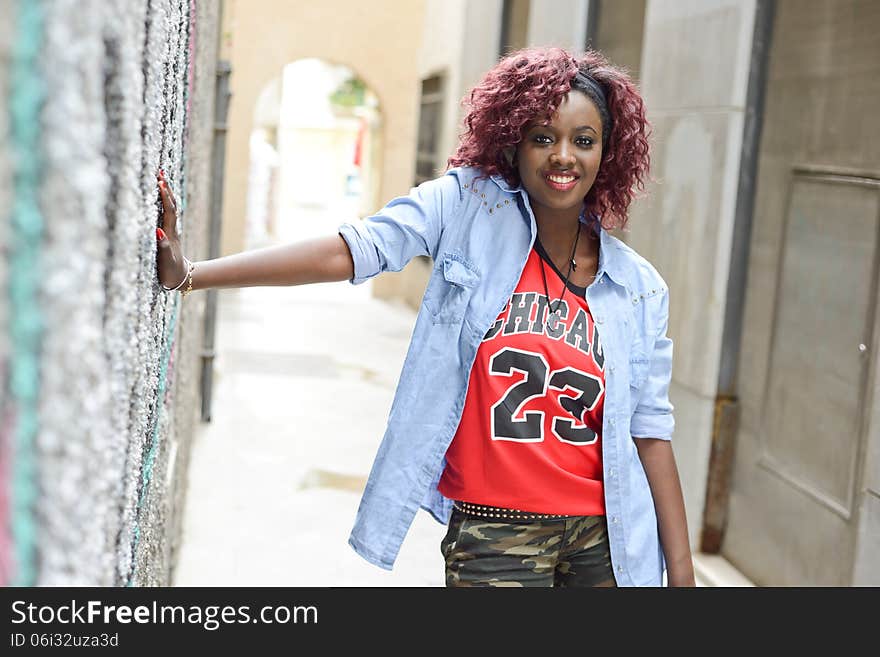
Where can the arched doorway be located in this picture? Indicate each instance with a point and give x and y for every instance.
(314, 153)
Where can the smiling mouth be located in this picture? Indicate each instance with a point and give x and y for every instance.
(561, 181)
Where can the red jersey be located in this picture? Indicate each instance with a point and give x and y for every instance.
(530, 432)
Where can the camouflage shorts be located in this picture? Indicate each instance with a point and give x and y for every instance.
(566, 552)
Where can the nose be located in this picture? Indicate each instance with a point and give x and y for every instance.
(562, 156)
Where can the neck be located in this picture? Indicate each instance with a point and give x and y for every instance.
(557, 232)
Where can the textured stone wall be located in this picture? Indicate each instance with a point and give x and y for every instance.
(99, 366)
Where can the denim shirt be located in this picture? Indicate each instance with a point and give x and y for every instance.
(479, 231)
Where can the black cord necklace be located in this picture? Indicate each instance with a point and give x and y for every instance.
(554, 312)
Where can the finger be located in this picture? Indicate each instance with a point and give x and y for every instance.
(165, 193)
(169, 218)
(162, 180)
(171, 197)
(163, 256)
(166, 248)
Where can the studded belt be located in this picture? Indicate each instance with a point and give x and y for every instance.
(503, 514)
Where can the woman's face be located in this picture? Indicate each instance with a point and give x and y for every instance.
(558, 162)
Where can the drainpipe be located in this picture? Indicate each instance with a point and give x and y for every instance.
(218, 156)
(725, 423)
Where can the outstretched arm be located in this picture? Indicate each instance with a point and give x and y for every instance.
(659, 463)
(318, 260)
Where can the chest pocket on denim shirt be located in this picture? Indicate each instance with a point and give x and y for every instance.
(450, 289)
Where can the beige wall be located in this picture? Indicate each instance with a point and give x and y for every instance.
(694, 70)
(378, 40)
(560, 23)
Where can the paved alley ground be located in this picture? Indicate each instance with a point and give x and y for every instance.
(304, 380)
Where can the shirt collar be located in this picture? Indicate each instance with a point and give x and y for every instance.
(610, 261)
(503, 184)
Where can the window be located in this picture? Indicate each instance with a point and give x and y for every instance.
(430, 114)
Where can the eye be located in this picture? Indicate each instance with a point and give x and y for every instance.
(541, 139)
(584, 142)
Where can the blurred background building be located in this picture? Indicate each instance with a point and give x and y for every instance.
(763, 217)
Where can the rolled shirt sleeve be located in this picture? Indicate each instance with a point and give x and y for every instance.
(407, 226)
(653, 415)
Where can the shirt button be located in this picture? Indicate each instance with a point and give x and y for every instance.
(611, 472)
(611, 368)
(611, 422)
(599, 319)
(620, 569)
(614, 520)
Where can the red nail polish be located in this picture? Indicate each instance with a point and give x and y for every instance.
(160, 234)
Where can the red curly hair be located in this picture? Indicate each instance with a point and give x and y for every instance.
(530, 84)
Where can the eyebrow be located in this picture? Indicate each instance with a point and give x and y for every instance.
(535, 126)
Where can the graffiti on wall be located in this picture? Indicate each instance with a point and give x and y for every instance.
(95, 98)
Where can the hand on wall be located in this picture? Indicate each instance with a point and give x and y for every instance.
(171, 266)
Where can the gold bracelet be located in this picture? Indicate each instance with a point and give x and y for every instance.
(189, 275)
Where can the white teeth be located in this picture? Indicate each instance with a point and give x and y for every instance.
(562, 180)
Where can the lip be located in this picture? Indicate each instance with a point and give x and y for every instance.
(561, 187)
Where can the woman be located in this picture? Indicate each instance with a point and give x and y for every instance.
(532, 411)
